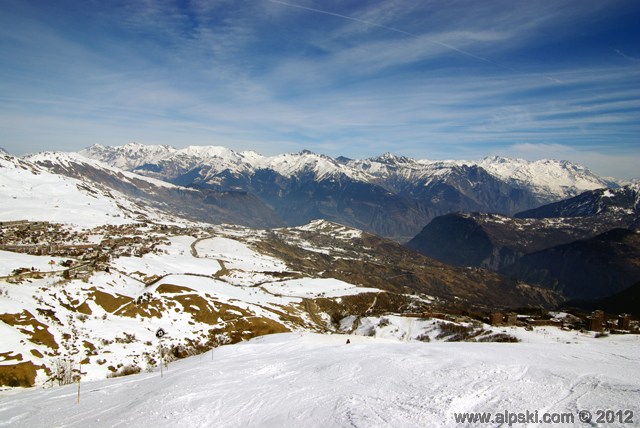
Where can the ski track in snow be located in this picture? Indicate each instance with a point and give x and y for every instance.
(304, 379)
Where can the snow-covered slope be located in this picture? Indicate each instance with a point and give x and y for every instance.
(68, 160)
(158, 198)
(203, 291)
(294, 379)
(551, 178)
(98, 295)
(29, 192)
(611, 204)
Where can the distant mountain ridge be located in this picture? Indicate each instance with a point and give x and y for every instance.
(622, 202)
(146, 196)
(389, 195)
(583, 247)
(550, 179)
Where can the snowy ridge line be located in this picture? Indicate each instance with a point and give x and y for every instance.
(69, 159)
(559, 178)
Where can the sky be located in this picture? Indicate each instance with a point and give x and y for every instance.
(427, 79)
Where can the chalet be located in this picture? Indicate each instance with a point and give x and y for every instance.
(80, 271)
(595, 322)
(624, 322)
(496, 318)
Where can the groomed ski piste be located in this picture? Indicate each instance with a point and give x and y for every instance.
(313, 380)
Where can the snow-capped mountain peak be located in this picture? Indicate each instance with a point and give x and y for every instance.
(546, 177)
(129, 156)
(322, 166)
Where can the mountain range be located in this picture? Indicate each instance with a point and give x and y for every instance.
(391, 196)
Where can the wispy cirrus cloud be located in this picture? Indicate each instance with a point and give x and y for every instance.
(425, 79)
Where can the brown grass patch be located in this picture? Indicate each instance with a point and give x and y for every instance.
(109, 302)
(49, 313)
(148, 309)
(21, 374)
(223, 270)
(246, 328)
(90, 347)
(204, 311)
(6, 356)
(171, 288)
(40, 334)
(84, 308)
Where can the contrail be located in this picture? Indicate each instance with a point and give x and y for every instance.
(630, 58)
(396, 30)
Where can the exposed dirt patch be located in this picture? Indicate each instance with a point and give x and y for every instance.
(48, 313)
(90, 347)
(206, 312)
(223, 270)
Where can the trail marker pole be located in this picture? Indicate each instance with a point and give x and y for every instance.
(159, 334)
(79, 377)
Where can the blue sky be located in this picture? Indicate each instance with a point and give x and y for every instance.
(427, 79)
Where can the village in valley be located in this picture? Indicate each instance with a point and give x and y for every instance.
(84, 251)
